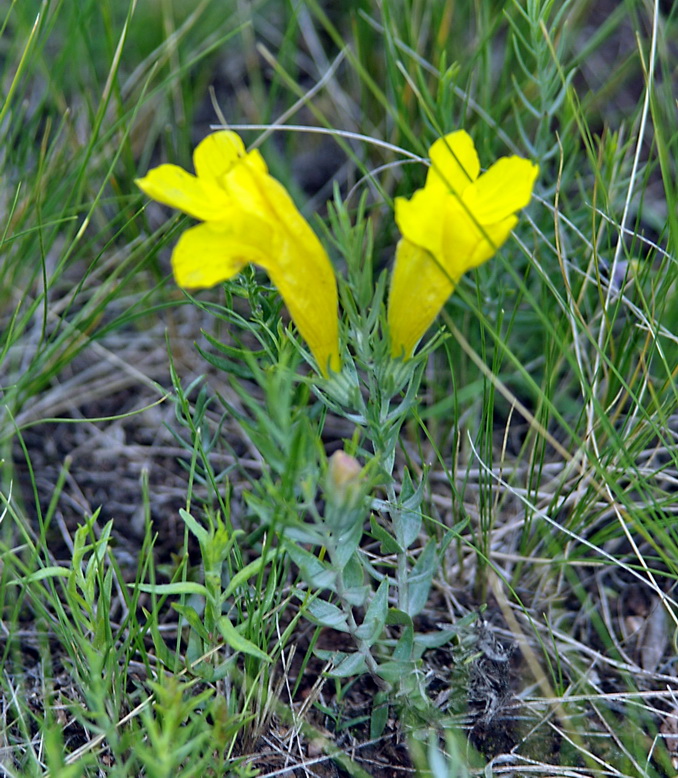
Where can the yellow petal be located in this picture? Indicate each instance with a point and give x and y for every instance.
(247, 186)
(173, 186)
(467, 244)
(493, 238)
(299, 268)
(217, 153)
(504, 189)
(460, 236)
(258, 192)
(419, 289)
(306, 282)
(454, 163)
(256, 161)
(421, 219)
(295, 225)
(211, 253)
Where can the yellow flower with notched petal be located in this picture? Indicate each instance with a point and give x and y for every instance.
(456, 222)
(249, 217)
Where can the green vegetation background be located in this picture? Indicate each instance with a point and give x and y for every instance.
(548, 418)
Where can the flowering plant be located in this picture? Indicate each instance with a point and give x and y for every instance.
(248, 216)
(455, 223)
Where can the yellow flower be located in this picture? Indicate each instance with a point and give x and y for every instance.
(456, 222)
(249, 217)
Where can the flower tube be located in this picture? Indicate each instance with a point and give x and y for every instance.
(248, 216)
(457, 221)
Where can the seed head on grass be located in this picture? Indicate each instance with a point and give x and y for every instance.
(248, 216)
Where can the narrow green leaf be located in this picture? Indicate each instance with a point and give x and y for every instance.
(248, 571)
(239, 643)
(379, 715)
(179, 587)
(195, 621)
(165, 656)
(329, 656)
(53, 571)
(396, 616)
(435, 639)
(200, 532)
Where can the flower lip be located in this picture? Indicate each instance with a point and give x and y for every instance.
(454, 163)
(217, 154)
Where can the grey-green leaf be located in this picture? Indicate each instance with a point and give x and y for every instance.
(326, 615)
(375, 617)
(420, 577)
(353, 664)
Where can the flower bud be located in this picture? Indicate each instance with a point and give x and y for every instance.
(346, 504)
(344, 477)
